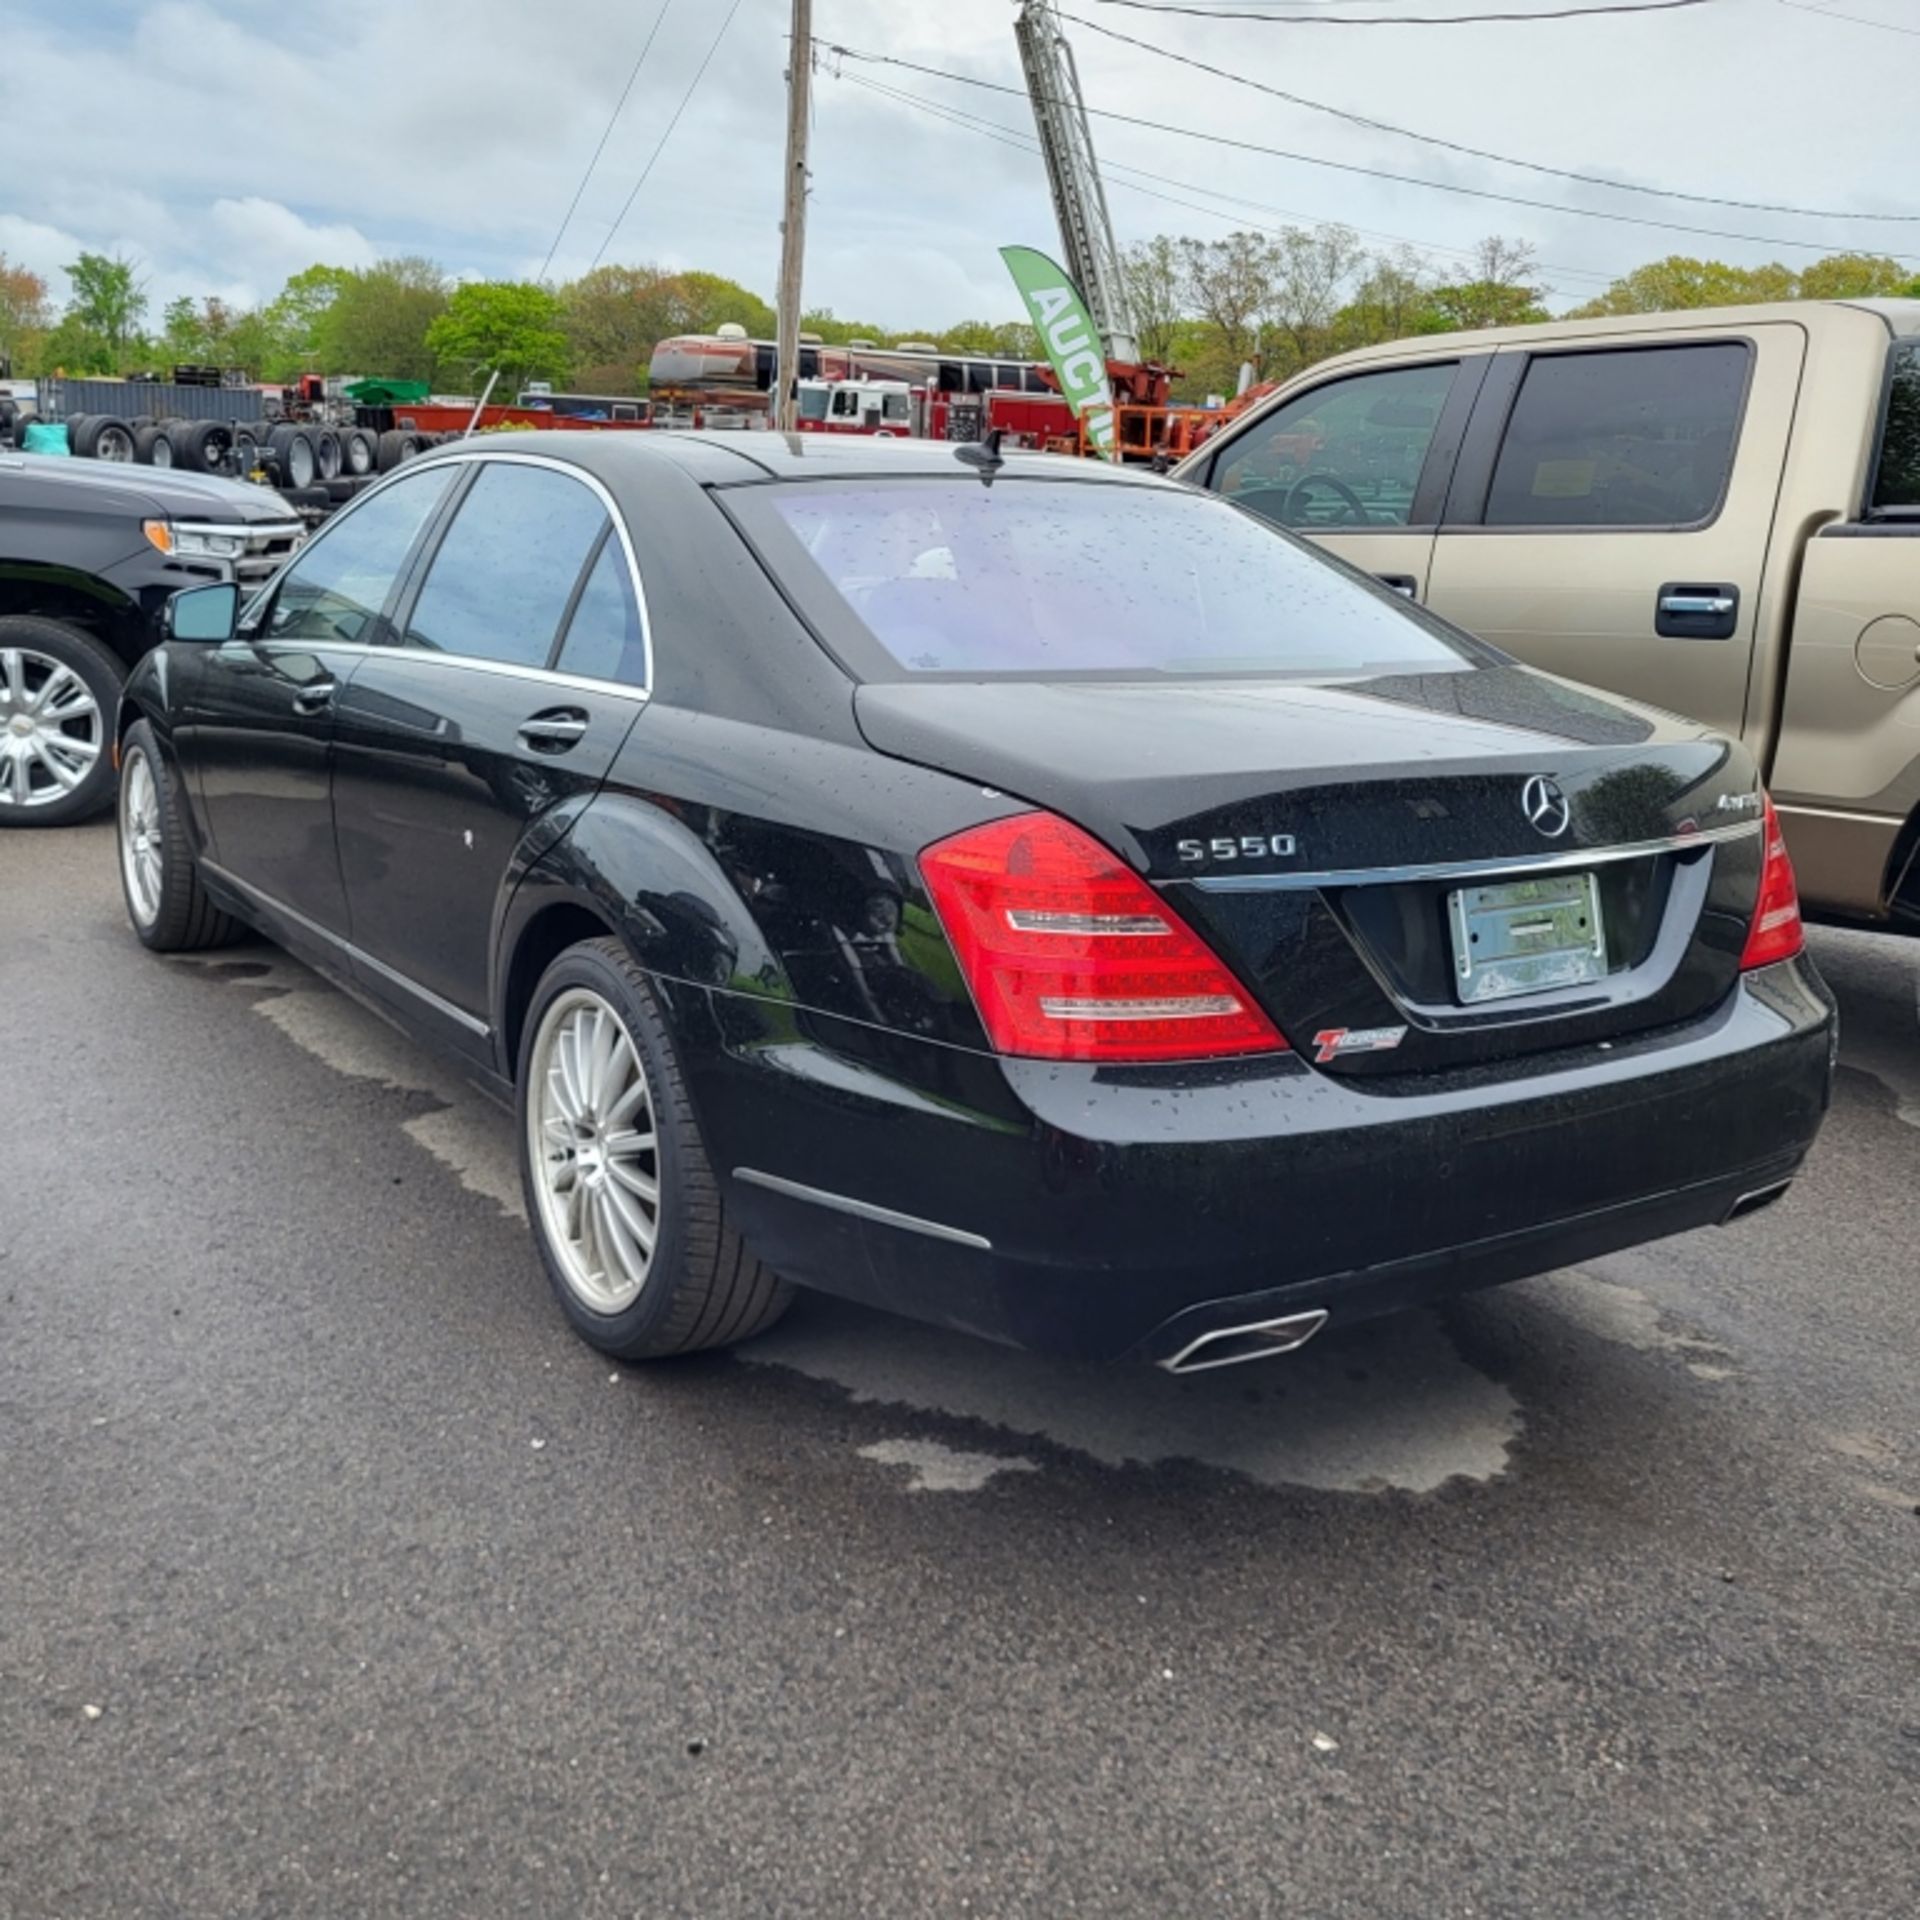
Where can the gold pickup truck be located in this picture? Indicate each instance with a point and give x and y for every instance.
(1714, 512)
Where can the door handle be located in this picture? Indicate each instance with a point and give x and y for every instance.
(1404, 584)
(555, 730)
(316, 696)
(1687, 610)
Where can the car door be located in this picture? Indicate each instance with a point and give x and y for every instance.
(517, 666)
(1359, 462)
(258, 732)
(1611, 510)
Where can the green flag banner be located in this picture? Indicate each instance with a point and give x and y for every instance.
(1073, 347)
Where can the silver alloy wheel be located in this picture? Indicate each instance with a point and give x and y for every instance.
(592, 1147)
(50, 729)
(114, 443)
(162, 453)
(140, 846)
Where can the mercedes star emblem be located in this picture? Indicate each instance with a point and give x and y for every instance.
(1546, 806)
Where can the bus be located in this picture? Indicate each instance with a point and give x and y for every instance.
(730, 371)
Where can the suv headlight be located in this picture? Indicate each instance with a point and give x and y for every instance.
(194, 543)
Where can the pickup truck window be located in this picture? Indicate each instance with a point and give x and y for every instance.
(1633, 437)
(1896, 483)
(1347, 454)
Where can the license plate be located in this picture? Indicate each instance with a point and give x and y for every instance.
(1527, 936)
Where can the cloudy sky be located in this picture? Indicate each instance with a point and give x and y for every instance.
(225, 144)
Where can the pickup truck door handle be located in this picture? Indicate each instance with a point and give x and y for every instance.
(1685, 610)
(1404, 584)
(316, 696)
(555, 729)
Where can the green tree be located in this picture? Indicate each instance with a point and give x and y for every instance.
(376, 323)
(108, 301)
(1229, 284)
(73, 347)
(1855, 276)
(835, 332)
(1155, 277)
(25, 313)
(1679, 282)
(512, 327)
(712, 300)
(289, 335)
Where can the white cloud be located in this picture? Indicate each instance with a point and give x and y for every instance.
(239, 143)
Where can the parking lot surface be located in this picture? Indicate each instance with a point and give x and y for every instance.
(338, 1579)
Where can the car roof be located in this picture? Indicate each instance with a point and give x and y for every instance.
(744, 456)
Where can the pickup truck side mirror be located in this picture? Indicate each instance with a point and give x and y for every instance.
(203, 614)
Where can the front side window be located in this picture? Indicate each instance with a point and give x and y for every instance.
(1058, 578)
(813, 403)
(604, 638)
(1630, 437)
(1345, 455)
(501, 581)
(335, 591)
(893, 406)
(1896, 484)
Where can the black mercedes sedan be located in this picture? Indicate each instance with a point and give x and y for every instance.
(1026, 894)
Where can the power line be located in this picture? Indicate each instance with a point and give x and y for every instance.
(1024, 143)
(700, 73)
(1410, 19)
(1348, 166)
(1478, 153)
(1852, 19)
(665, 8)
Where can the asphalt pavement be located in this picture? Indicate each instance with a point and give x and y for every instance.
(337, 1579)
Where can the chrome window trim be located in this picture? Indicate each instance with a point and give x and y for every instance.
(470, 455)
(465, 662)
(863, 1209)
(1472, 869)
(426, 995)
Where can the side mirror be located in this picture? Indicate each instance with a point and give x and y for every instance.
(207, 614)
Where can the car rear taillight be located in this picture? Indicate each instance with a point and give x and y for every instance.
(1072, 956)
(1776, 933)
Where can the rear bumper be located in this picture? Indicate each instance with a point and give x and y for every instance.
(1100, 1212)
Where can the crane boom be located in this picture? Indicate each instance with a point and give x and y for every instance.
(1079, 199)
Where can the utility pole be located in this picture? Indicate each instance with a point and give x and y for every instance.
(793, 231)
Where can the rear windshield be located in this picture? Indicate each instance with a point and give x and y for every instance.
(914, 577)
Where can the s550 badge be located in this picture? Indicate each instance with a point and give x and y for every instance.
(1244, 846)
(1335, 1041)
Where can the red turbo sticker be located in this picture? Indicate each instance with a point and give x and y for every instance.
(1336, 1041)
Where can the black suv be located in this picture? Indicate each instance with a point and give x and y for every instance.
(89, 552)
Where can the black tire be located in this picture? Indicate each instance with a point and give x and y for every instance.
(145, 440)
(101, 673)
(703, 1287)
(307, 497)
(202, 446)
(74, 423)
(179, 918)
(394, 446)
(102, 436)
(358, 454)
(326, 455)
(294, 448)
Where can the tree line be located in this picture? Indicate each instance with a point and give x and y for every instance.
(1268, 302)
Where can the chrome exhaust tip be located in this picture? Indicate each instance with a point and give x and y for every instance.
(1259, 1340)
(1754, 1201)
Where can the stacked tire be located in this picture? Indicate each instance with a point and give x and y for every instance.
(100, 436)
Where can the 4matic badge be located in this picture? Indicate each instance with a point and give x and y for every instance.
(1335, 1041)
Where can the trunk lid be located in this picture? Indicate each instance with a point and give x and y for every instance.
(1332, 842)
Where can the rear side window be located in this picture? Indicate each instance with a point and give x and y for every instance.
(1641, 437)
(604, 639)
(1897, 482)
(336, 590)
(1348, 454)
(506, 570)
(1055, 578)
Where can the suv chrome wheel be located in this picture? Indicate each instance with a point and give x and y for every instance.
(592, 1150)
(140, 838)
(50, 729)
